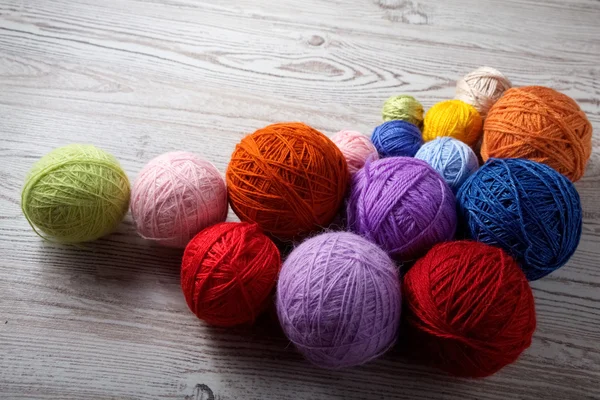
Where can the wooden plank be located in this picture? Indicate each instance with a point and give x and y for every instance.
(142, 77)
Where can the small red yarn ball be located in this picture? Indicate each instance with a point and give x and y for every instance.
(228, 273)
(470, 310)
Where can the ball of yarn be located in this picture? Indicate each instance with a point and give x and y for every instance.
(76, 193)
(175, 196)
(540, 124)
(228, 272)
(288, 178)
(403, 205)
(453, 118)
(453, 159)
(470, 310)
(397, 138)
(356, 148)
(526, 208)
(405, 108)
(482, 88)
(338, 300)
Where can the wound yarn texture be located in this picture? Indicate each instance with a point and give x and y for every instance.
(540, 124)
(288, 178)
(482, 88)
(451, 158)
(356, 148)
(228, 272)
(403, 205)
(397, 138)
(175, 196)
(405, 108)
(527, 208)
(469, 309)
(453, 118)
(338, 300)
(76, 193)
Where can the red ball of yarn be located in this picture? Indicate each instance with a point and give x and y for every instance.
(228, 272)
(470, 309)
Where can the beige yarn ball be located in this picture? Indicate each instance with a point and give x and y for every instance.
(482, 88)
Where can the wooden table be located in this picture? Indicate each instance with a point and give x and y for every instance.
(142, 77)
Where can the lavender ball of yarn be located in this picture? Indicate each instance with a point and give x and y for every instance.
(397, 138)
(338, 300)
(403, 205)
(453, 159)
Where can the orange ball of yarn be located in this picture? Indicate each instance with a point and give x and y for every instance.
(542, 125)
(228, 273)
(288, 178)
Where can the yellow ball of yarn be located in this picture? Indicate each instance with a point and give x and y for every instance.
(453, 118)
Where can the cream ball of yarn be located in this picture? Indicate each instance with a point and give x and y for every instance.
(482, 88)
(175, 196)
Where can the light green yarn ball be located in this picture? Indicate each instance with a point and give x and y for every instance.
(75, 194)
(405, 108)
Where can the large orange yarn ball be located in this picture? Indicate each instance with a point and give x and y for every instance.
(542, 125)
(288, 178)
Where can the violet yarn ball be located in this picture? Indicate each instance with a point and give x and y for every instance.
(356, 148)
(338, 300)
(397, 138)
(403, 205)
(175, 196)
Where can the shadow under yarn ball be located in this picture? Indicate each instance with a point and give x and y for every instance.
(397, 138)
(76, 193)
(453, 159)
(175, 196)
(228, 272)
(540, 124)
(288, 178)
(338, 300)
(527, 208)
(403, 205)
(469, 309)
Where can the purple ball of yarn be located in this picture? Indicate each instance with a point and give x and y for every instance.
(397, 138)
(338, 300)
(403, 205)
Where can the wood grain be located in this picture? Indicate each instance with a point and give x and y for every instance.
(141, 77)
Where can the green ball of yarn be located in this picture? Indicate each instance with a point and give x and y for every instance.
(74, 194)
(405, 108)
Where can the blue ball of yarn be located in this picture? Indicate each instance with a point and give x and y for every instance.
(397, 139)
(527, 208)
(453, 159)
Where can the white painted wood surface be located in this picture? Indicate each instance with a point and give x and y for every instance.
(141, 77)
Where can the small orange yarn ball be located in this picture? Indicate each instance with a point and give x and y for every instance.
(540, 124)
(453, 118)
(288, 178)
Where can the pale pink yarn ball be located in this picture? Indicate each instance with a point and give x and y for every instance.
(175, 196)
(356, 148)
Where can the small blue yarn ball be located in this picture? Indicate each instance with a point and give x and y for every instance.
(397, 138)
(527, 208)
(453, 159)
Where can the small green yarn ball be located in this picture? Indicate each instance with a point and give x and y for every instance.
(405, 108)
(74, 194)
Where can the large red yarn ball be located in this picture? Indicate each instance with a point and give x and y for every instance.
(470, 309)
(228, 273)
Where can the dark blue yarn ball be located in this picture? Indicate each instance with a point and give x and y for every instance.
(527, 208)
(397, 139)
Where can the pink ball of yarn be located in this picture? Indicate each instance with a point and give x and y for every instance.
(175, 196)
(356, 148)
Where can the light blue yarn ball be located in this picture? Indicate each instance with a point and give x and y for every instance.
(453, 159)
